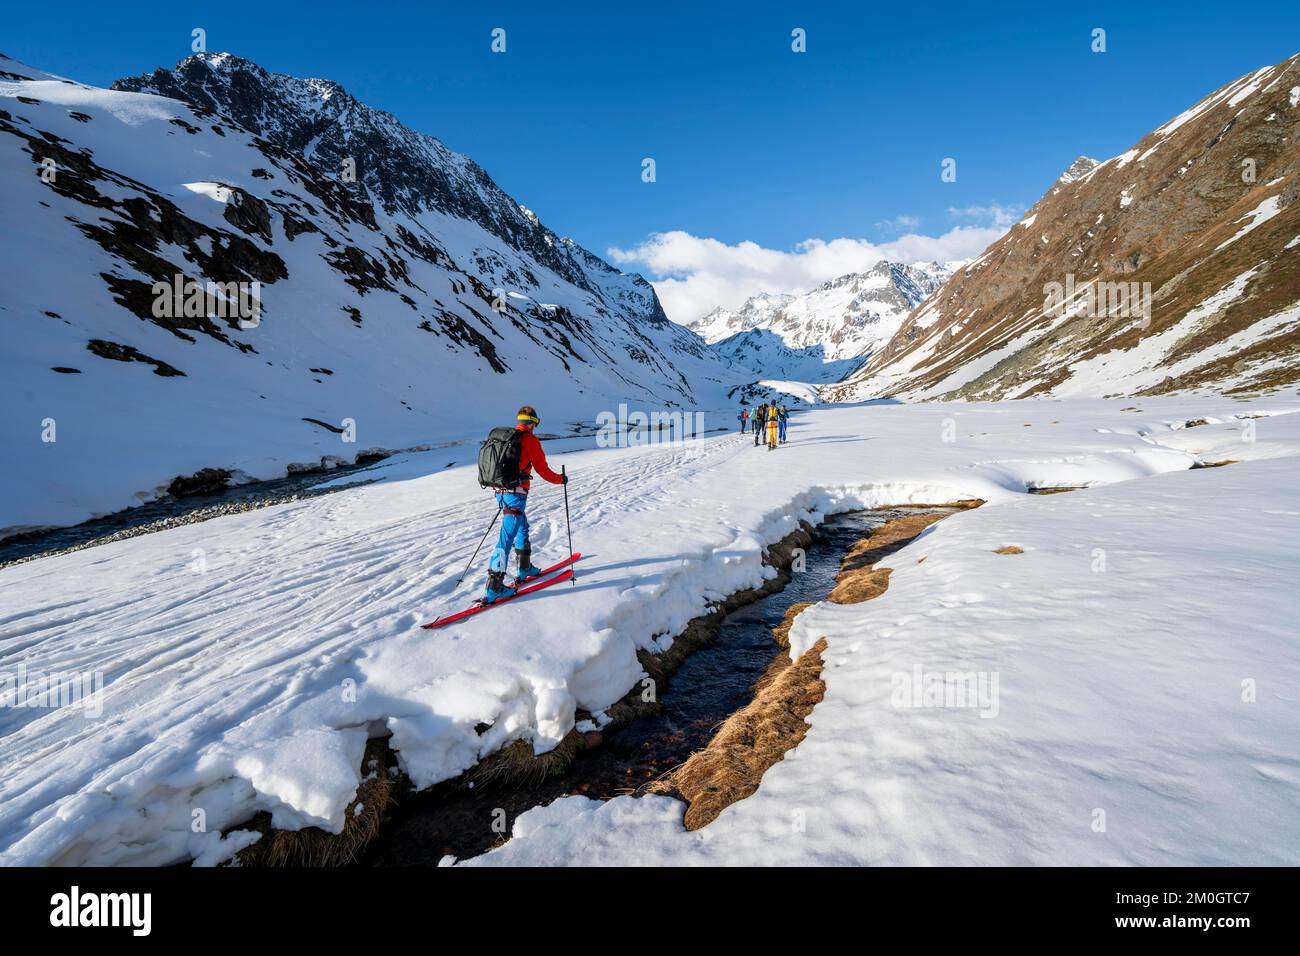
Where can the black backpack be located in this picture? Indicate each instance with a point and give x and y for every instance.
(498, 459)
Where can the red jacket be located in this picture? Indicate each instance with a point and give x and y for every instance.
(531, 456)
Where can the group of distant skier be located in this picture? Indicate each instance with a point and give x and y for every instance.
(768, 423)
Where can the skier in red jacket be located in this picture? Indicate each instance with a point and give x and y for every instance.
(513, 501)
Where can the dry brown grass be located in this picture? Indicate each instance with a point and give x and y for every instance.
(513, 765)
(517, 765)
(962, 504)
(731, 766)
(859, 578)
(858, 586)
(313, 846)
(728, 769)
(1009, 549)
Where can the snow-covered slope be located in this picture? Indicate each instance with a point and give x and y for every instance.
(244, 661)
(822, 335)
(766, 353)
(1175, 265)
(417, 305)
(757, 312)
(397, 169)
(1129, 684)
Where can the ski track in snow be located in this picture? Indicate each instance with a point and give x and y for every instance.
(247, 659)
(407, 359)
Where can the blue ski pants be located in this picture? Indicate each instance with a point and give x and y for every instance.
(514, 528)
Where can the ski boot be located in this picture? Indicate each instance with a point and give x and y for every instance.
(527, 570)
(496, 588)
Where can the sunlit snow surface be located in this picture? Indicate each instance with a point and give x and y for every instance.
(246, 659)
(400, 363)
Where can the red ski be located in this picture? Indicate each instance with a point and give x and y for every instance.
(556, 566)
(527, 589)
(478, 608)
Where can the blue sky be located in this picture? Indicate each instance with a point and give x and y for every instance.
(753, 143)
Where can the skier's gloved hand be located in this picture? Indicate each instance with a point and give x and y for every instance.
(564, 478)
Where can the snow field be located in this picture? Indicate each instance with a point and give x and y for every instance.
(245, 660)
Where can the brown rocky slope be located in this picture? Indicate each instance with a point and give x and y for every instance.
(1183, 256)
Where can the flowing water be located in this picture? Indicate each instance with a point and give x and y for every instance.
(709, 686)
(169, 512)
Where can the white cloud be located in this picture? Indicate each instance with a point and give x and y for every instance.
(694, 275)
(994, 213)
(899, 223)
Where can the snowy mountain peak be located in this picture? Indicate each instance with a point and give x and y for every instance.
(1149, 273)
(1077, 170)
(383, 162)
(827, 315)
(422, 319)
(822, 335)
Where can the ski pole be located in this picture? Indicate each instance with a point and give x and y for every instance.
(490, 526)
(572, 580)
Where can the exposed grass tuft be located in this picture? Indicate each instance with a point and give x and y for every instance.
(731, 766)
(313, 846)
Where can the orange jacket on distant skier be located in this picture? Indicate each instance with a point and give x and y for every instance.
(531, 456)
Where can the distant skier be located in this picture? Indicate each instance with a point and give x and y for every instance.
(782, 416)
(773, 421)
(760, 422)
(506, 461)
(744, 419)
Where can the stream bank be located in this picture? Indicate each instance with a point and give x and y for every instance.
(733, 703)
(208, 494)
(172, 511)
